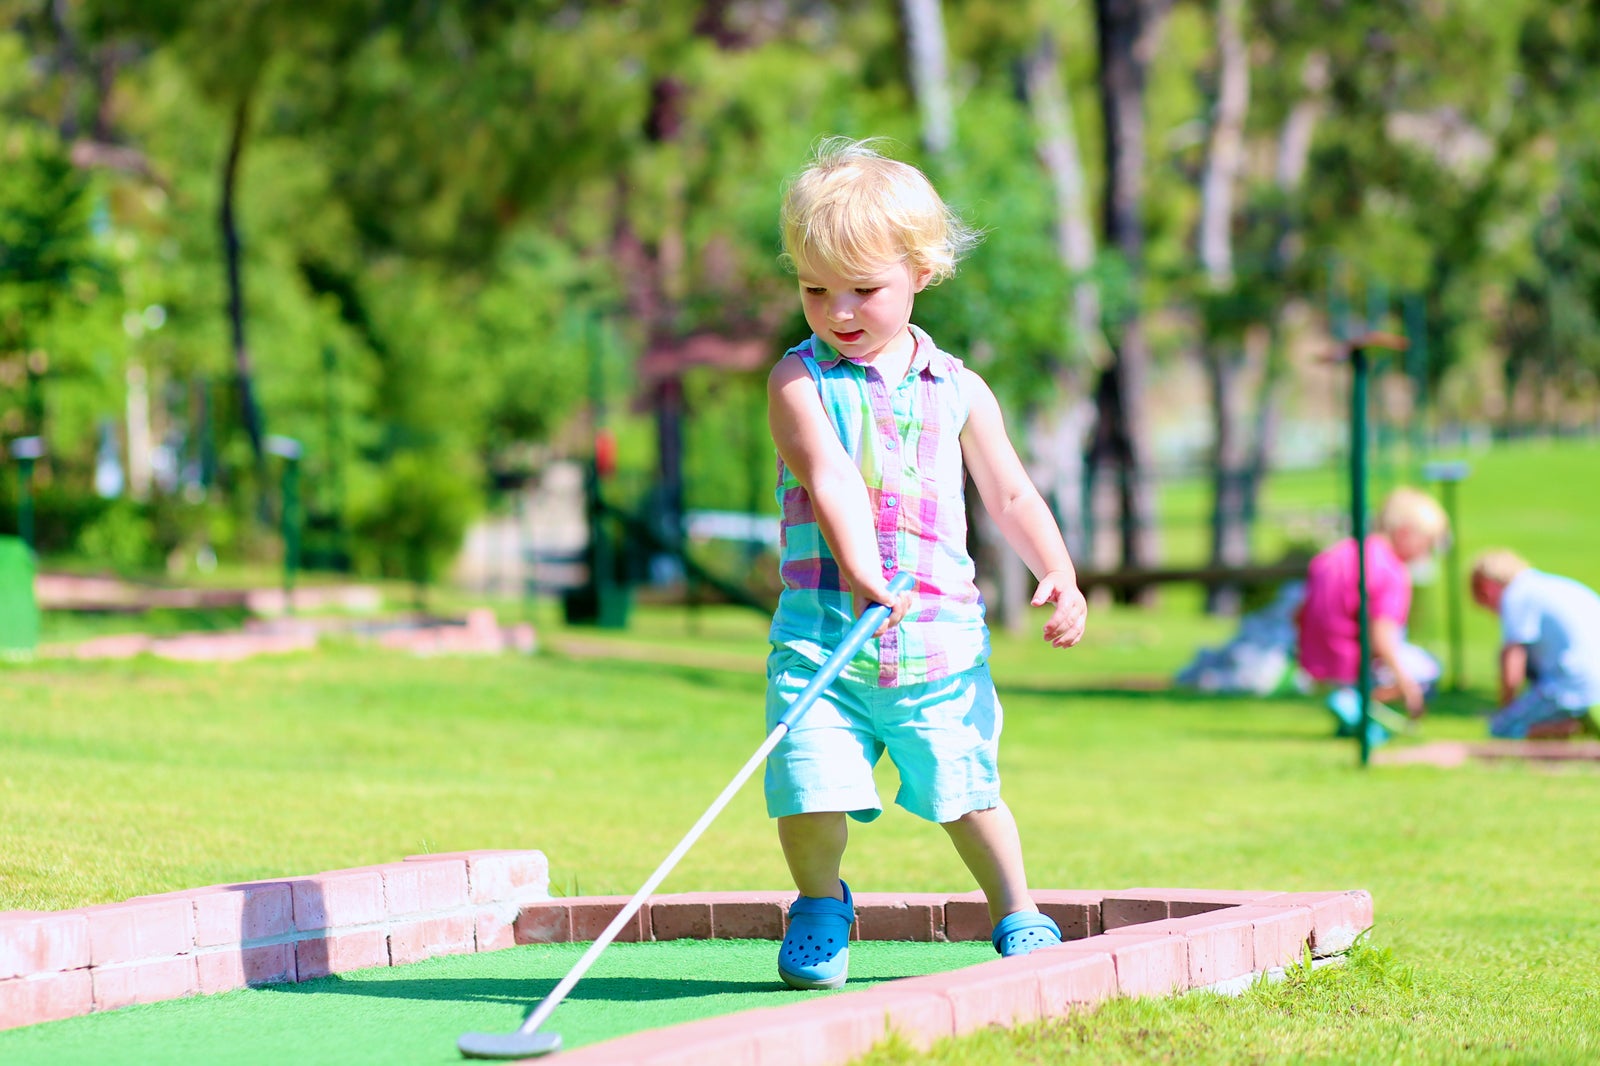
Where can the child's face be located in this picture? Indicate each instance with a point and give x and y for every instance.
(859, 317)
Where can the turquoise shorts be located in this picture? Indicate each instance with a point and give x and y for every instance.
(943, 736)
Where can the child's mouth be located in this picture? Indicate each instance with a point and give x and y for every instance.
(849, 337)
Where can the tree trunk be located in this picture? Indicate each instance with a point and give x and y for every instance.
(1293, 156)
(1126, 35)
(1059, 434)
(250, 411)
(926, 55)
(1222, 355)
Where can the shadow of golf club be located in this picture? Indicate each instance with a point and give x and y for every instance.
(522, 990)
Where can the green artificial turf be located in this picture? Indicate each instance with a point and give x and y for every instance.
(412, 1015)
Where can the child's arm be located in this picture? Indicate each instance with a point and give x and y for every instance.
(1011, 498)
(1386, 649)
(807, 443)
(1513, 671)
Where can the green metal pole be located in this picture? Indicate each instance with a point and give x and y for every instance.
(1453, 590)
(291, 530)
(25, 501)
(1449, 475)
(1358, 529)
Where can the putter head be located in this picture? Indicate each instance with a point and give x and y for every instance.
(517, 1045)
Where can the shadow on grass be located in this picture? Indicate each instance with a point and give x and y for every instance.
(529, 991)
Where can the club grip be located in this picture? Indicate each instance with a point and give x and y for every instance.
(853, 641)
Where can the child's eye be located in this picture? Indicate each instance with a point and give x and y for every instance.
(866, 291)
(814, 290)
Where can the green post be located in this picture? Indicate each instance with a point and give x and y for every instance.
(1358, 529)
(1416, 320)
(1360, 364)
(1449, 475)
(26, 451)
(290, 451)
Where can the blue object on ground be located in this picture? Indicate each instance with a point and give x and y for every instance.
(1024, 931)
(816, 949)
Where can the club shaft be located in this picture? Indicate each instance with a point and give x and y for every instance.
(852, 643)
(557, 994)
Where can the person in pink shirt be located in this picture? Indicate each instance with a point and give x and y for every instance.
(1410, 526)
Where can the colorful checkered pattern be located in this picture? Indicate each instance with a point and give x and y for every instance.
(906, 441)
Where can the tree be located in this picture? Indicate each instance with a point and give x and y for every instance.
(1127, 37)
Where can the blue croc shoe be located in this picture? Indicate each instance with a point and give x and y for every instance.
(816, 949)
(1024, 931)
(1346, 707)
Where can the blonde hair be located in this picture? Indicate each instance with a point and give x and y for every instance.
(1499, 565)
(855, 211)
(1413, 509)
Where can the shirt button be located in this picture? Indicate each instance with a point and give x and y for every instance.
(890, 501)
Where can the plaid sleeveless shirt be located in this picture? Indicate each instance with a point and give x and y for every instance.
(905, 439)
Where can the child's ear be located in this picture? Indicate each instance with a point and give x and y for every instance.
(921, 278)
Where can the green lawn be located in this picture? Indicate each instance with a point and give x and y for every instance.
(118, 779)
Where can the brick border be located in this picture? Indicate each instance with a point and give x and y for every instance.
(1132, 942)
(1452, 753)
(60, 964)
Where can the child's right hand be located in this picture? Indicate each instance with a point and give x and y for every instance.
(899, 605)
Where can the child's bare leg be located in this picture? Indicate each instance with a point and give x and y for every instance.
(813, 846)
(989, 844)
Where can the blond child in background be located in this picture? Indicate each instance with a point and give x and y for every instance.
(1550, 650)
(877, 430)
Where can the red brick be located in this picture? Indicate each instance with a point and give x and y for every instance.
(1221, 946)
(494, 876)
(922, 1016)
(444, 886)
(592, 914)
(819, 1032)
(1281, 934)
(544, 922)
(724, 1041)
(423, 938)
(267, 964)
(48, 997)
(233, 914)
(1076, 912)
(1155, 965)
(1132, 906)
(495, 928)
(1068, 979)
(340, 953)
(991, 993)
(42, 942)
(751, 915)
(681, 917)
(154, 928)
(152, 981)
(338, 899)
(423, 887)
(904, 916)
(1119, 912)
(1337, 917)
(966, 917)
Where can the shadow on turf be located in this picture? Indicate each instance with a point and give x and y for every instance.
(520, 990)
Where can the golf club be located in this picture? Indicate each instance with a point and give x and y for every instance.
(528, 1041)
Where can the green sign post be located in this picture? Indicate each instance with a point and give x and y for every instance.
(290, 451)
(1448, 475)
(1355, 351)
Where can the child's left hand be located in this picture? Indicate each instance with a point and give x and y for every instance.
(1066, 623)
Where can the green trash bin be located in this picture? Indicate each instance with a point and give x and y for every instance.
(19, 613)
